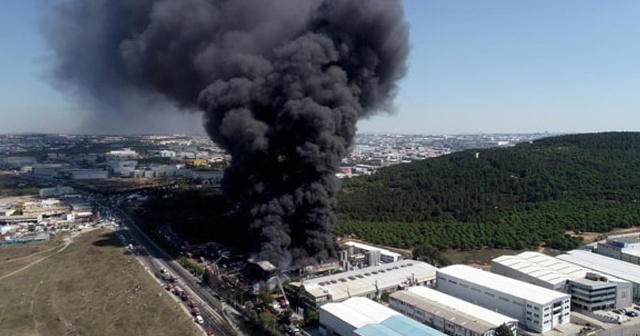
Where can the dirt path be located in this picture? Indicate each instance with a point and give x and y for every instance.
(58, 311)
(33, 300)
(34, 262)
(29, 256)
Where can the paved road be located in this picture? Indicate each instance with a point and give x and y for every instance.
(153, 257)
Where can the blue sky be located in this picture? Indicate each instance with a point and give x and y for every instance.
(475, 67)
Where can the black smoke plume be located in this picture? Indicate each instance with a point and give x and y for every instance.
(281, 83)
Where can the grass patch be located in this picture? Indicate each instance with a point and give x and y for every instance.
(92, 287)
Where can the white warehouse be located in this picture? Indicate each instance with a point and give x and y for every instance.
(589, 291)
(448, 314)
(610, 266)
(538, 309)
(364, 317)
(369, 282)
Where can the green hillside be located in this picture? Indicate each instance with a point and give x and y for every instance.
(514, 197)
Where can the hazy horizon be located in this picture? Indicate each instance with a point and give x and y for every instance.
(474, 68)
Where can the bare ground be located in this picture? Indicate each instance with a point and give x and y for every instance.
(91, 287)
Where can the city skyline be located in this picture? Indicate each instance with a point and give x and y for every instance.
(490, 67)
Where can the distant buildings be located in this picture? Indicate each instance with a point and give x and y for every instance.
(123, 153)
(56, 192)
(538, 309)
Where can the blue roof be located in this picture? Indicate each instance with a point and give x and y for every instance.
(407, 326)
(375, 330)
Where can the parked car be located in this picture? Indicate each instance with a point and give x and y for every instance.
(631, 313)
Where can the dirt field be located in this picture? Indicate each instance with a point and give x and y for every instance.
(93, 286)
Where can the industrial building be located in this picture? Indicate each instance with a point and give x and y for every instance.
(56, 192)
(448, 314)
(48, 170)
(86, 174)
(371, 255)
(622, 248)
(368, 282)
(364, 317)
(589, 290)
(608, 266)
(538, 309)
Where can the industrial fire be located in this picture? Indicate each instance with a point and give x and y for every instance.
(281, 86)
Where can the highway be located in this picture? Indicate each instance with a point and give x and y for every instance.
(154, 258)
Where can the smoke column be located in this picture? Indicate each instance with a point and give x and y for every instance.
(281, 83)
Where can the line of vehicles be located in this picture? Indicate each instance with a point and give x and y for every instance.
(173, 287)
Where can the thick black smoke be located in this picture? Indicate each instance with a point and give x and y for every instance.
(282, 84)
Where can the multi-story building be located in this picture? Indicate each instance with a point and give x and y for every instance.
(538, 309)
(375, 255)
(589, 291)
(623, 248)
(607, 266)
(448, 314)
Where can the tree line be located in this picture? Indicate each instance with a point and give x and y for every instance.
(517, 197)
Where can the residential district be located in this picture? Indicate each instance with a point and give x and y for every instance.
(369, 290)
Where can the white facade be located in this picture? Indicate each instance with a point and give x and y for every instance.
(623, 248)
(381, 255)
(589, 291)
(538, 309)
(606, 265)
(167, 153)
(124, 152)
(448, 314)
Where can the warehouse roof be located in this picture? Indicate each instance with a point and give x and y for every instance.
(410, 327)
(614, 267)
(546, 268)
(460, 312)
(359, 311)
(369, 248)
(499, 283)
(375, 330)
(360, 282)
